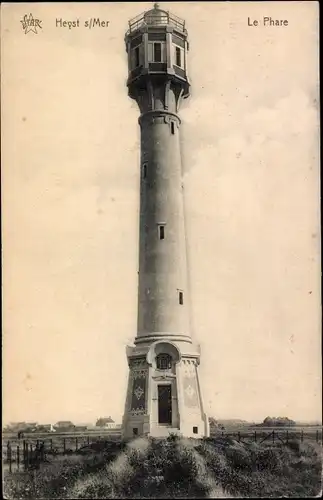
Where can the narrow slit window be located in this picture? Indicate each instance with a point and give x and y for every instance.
(178, 56)
(172, 127)
(161, 232)
(137, 57)
(181, 298)
(144, 170)
(157, 52)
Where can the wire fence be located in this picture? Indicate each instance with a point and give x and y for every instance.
(283, 436)
(31, 453)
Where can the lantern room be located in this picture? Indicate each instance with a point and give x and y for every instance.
(157, 46)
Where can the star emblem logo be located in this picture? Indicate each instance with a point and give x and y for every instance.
(30, 24)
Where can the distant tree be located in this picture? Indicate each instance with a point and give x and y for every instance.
(278, 422)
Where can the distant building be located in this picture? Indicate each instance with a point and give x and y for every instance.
(106, 423)
(45, 428)
(91, 427)
(64, 425)
(80, 428)
(21, 426)
(84, 425)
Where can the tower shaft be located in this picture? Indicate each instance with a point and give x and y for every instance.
(164, 393)
(163, 294)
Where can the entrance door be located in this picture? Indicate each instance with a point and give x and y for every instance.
(164, 404)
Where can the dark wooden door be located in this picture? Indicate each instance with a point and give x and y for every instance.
(164, 404)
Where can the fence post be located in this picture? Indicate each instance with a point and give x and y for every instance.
(302, 435)
(64, 446)
(27, 455)
(255, 436)
(51, 444)
(273, 437)
(24, 453)
(9, 455)
(287, 436)
(42, 451)
(18, 457)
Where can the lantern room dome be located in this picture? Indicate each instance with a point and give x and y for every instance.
(156, 16)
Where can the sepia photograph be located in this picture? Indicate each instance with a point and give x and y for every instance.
(161, 250)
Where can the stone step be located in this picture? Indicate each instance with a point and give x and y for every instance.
(163, 431)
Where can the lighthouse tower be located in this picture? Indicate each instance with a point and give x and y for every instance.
(163, 394)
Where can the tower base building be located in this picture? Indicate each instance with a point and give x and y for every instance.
(164, 394)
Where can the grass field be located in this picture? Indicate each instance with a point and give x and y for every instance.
(175, 467)
(67, 443)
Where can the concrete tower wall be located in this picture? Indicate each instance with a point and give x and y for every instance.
(162, 266)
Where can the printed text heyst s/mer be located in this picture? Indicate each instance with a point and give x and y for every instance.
(93, 22)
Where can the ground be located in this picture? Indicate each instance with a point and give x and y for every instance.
(176, 468)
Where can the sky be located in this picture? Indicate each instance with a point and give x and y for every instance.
(70, 176)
